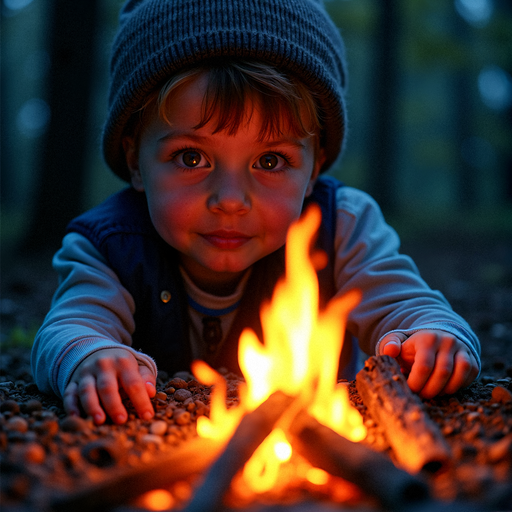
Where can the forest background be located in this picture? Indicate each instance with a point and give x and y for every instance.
(430, 128)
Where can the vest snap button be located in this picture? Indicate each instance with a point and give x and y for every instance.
(165, 296)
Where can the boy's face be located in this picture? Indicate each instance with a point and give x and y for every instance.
(223, 201)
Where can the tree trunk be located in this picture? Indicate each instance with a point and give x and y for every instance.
(59, 189)
(382, 143)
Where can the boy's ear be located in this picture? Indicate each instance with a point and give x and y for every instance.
(319, 161)
(132, 161)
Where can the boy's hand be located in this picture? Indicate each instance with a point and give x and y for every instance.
(97, 382)
(436, 362)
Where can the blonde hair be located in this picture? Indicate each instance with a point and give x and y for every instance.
(233, 86)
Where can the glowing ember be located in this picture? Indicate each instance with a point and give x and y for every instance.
(299, 356)
(159, 499)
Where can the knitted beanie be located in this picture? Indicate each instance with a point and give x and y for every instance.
(158, 38)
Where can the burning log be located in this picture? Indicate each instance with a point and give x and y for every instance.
(415, 439)
(371, 471)
(250, 433)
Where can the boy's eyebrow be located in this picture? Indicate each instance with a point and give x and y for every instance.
(289, 141)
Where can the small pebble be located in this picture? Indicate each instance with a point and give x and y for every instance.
(158, 428)
(31, 388)
(32, 406)
(182, 417)
(177, 383)
(48, 427)
(448, 429)
(74, 424)
(203, 410)
(34, 453)
(182, 394)
(73, 458)
(161, 395)
(10, 406)
(501, 449)
(171, 439)
(151, 439)
(501, 395)
(101, 453)
(17, 424)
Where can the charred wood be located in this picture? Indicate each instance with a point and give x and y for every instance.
(371, 471)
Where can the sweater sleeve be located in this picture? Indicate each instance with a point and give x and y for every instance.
(90, 311)
(395, 297)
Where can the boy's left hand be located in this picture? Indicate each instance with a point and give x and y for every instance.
(436, 362)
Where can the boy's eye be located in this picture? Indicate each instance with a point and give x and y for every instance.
(191, 158)
(270, 162)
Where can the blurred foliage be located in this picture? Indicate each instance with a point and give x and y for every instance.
(19, 337)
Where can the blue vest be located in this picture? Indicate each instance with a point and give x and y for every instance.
(121, 230)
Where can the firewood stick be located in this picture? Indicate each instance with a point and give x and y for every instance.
(371, 471)
(416, 440)
(250, 433)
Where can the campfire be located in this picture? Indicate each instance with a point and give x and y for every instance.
(294, 425)
(298, 358)
(284, 437)
(293, 429)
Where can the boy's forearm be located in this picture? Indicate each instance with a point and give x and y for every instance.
(395, 297)
(90, 311)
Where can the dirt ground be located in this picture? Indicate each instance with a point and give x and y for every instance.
(46, 458)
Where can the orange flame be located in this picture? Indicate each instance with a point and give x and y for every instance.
(300, 356)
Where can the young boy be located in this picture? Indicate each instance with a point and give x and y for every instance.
(224, 116)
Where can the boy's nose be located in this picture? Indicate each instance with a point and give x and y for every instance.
(229, 193)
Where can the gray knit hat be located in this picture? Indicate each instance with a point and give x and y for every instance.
(158, 38)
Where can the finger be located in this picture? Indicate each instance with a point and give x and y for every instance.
(475, 369)
(70, 399)
(441, 374)
(149, 380)
(108, 391)
(392, 348)
(131, 380)
(423, 359)
(391, 345)
(464, 372)
(89, 399)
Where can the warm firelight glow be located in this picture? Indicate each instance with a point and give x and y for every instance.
(317, 476)
(159, 499)
(299, 356)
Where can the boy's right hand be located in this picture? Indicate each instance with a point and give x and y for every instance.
(97, 381)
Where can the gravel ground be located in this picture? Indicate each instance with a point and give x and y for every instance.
(46, 457)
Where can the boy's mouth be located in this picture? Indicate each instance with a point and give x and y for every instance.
(226, 239)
